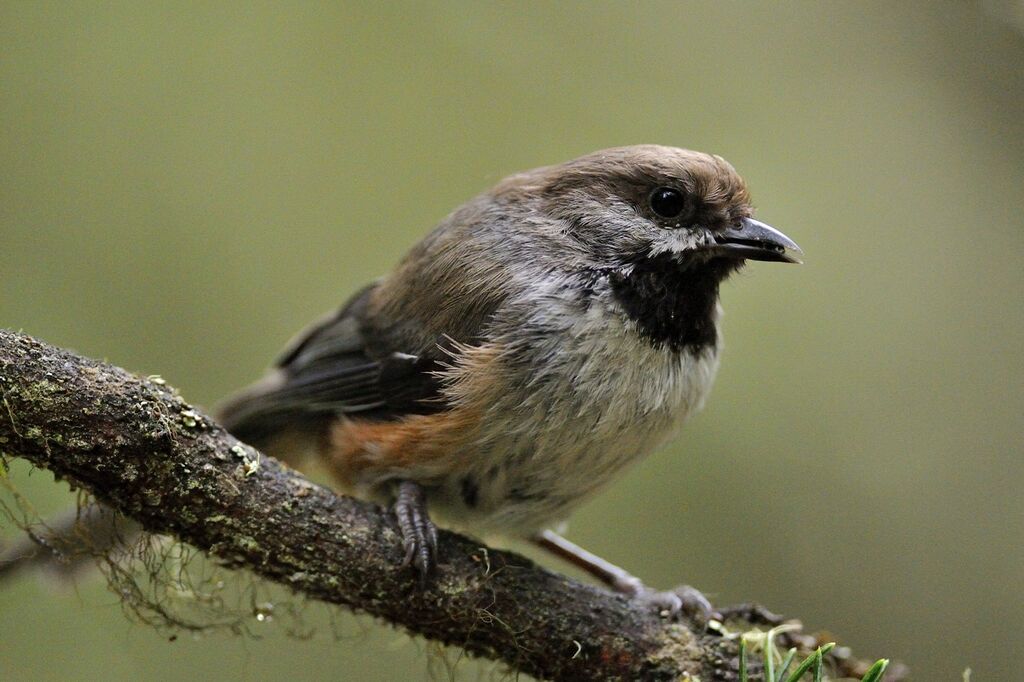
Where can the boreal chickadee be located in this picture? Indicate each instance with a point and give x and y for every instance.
(546, 334)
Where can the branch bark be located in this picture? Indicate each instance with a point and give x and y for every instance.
(137, 446)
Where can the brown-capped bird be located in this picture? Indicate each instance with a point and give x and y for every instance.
(545, 335)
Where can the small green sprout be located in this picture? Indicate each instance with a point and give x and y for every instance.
(874, 674)
(813, 664)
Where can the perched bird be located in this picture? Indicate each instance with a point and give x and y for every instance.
(545, 335)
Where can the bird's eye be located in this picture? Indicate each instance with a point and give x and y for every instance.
(667, 202)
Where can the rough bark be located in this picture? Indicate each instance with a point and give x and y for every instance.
(137, 446)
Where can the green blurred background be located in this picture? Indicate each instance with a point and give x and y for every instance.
(182, 186)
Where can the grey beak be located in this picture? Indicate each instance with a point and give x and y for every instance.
(753, 240)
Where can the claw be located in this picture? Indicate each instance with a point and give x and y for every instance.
(684, 600)
(695, 604)
(419, 534)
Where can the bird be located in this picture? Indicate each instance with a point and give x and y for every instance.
(544, 336)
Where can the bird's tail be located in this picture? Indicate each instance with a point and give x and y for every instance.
(258, 416)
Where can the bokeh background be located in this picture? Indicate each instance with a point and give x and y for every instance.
(183, 185)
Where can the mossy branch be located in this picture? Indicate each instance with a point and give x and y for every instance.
(138, 447)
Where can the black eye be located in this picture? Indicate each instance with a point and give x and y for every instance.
(667, 202)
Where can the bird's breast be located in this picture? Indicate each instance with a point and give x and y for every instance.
(583, 394)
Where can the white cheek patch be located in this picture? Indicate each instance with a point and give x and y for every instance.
(678, 241)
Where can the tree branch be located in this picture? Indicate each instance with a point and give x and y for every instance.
(140, 448)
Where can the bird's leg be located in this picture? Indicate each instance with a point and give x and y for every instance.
(682, 599)
(419, 534)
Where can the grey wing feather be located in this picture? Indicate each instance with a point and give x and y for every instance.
(381, 358)
(335, 334)
(329, 370)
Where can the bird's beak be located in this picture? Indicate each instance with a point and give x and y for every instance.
(753, 240)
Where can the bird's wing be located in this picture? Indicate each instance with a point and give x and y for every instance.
(337, 367)
(352, 382)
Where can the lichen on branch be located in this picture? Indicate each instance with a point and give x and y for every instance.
(138, 447)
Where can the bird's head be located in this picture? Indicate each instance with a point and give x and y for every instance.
(631, 204)
(660, 226)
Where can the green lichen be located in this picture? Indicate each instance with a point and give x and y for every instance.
(247, 543)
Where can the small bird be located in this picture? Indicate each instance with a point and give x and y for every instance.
(545, 335)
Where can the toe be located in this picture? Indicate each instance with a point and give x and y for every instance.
(683, 601)
(409, 545)
(668, 604)
(419, 535)
(695, 604)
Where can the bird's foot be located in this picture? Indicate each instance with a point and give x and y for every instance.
(419, 534)
(683, 601)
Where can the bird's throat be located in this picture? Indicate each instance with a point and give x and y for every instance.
(673, 304)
